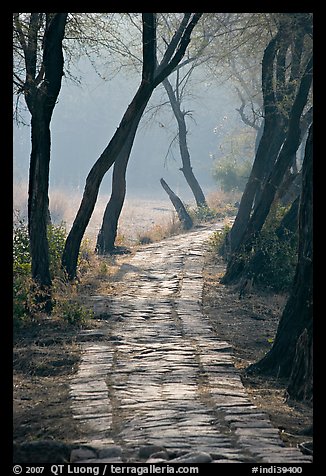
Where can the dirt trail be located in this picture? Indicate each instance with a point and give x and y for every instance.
(156, 378)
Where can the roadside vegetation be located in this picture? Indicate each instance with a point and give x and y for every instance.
(67, 308)
(277, 256)
(27, 296)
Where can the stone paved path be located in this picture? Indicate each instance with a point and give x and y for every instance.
(159, 384)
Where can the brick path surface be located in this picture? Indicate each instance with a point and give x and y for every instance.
(159, 385)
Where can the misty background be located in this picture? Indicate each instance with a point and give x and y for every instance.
(87, 115)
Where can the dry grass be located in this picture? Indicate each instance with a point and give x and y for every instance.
(159, 231)
(138, 214)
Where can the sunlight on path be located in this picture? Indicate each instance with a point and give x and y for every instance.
(161, 375)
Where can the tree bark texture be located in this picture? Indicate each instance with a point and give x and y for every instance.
(108, 232)
(290, 354)
(278, 98)
(41, 98)
(289, 148)
(182, 213)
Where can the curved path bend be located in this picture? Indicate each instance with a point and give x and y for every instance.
(159, 380)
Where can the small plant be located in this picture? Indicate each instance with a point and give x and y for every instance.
(232, 175)
(103, 269)
(73, 313)
(202, 214)
(217, 239)
(27, 297)
(56, 240)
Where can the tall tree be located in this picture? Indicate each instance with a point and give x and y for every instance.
(279, 89)
(40, 37)
(212, 28)
(291, 353)
(118, 149)
(236, 265)
(180, 115)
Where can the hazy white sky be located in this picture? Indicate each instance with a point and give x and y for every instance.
(86, 117)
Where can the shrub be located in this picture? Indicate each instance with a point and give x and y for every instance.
(25, 291)
(231, 174)
(202, 214)
(56, 239)
(277, 257)
(21, 254)
(73, 313)
(216, 240)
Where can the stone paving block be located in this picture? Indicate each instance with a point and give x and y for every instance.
(164, 377)
(100, 461)
(82, 453)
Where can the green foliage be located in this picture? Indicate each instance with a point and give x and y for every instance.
(21, 254)
(21, 272)
(232, 175)
(278, 257)
(56, 239)
(73, 313)
(278, 261)
(26, 294)
(217, 239)
(275, 258)
(201, 214)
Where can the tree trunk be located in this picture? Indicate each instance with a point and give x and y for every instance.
(266, 154)
(122, 135)
(264, 160)
(260, 213)
(278, 94)
(259, 135)
(301, 379)
(108, 232)
(41, 101)
(38, 207)
(186, 168)
(289, 223)
(152, 76)
(290, 355)
(183, 215)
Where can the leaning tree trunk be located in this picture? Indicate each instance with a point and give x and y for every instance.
(236, 264)
(152, 76)
(108, 232)
(186, 168)
(122, 135)
(291, 353)
(182, 213)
